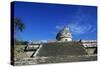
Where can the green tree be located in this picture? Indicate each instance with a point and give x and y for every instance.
(18, 25)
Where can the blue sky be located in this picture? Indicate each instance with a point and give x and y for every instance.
(43, 21)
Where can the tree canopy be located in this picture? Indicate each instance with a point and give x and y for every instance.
(18, 25)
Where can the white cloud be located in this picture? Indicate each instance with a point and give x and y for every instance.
(80, 28)
(93, 30)
(59, 27)
(77, 28)
(43, 41)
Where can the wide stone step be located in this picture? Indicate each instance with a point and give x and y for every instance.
(55, 49)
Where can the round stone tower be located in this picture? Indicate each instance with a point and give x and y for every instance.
(64, 35)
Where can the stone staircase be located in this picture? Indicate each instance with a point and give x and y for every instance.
(61, 49)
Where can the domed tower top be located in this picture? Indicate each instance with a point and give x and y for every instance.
(64, 34)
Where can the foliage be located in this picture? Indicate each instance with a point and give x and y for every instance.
(17, 42)
(18, 25)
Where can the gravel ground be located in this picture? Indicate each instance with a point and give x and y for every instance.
(58, 59)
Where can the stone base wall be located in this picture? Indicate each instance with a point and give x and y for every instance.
(66, 39)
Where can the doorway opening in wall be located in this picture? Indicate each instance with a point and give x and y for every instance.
(66, 40)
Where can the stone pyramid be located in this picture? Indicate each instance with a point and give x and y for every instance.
(61, 49)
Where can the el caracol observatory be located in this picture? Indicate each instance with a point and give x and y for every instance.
(64, 35)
